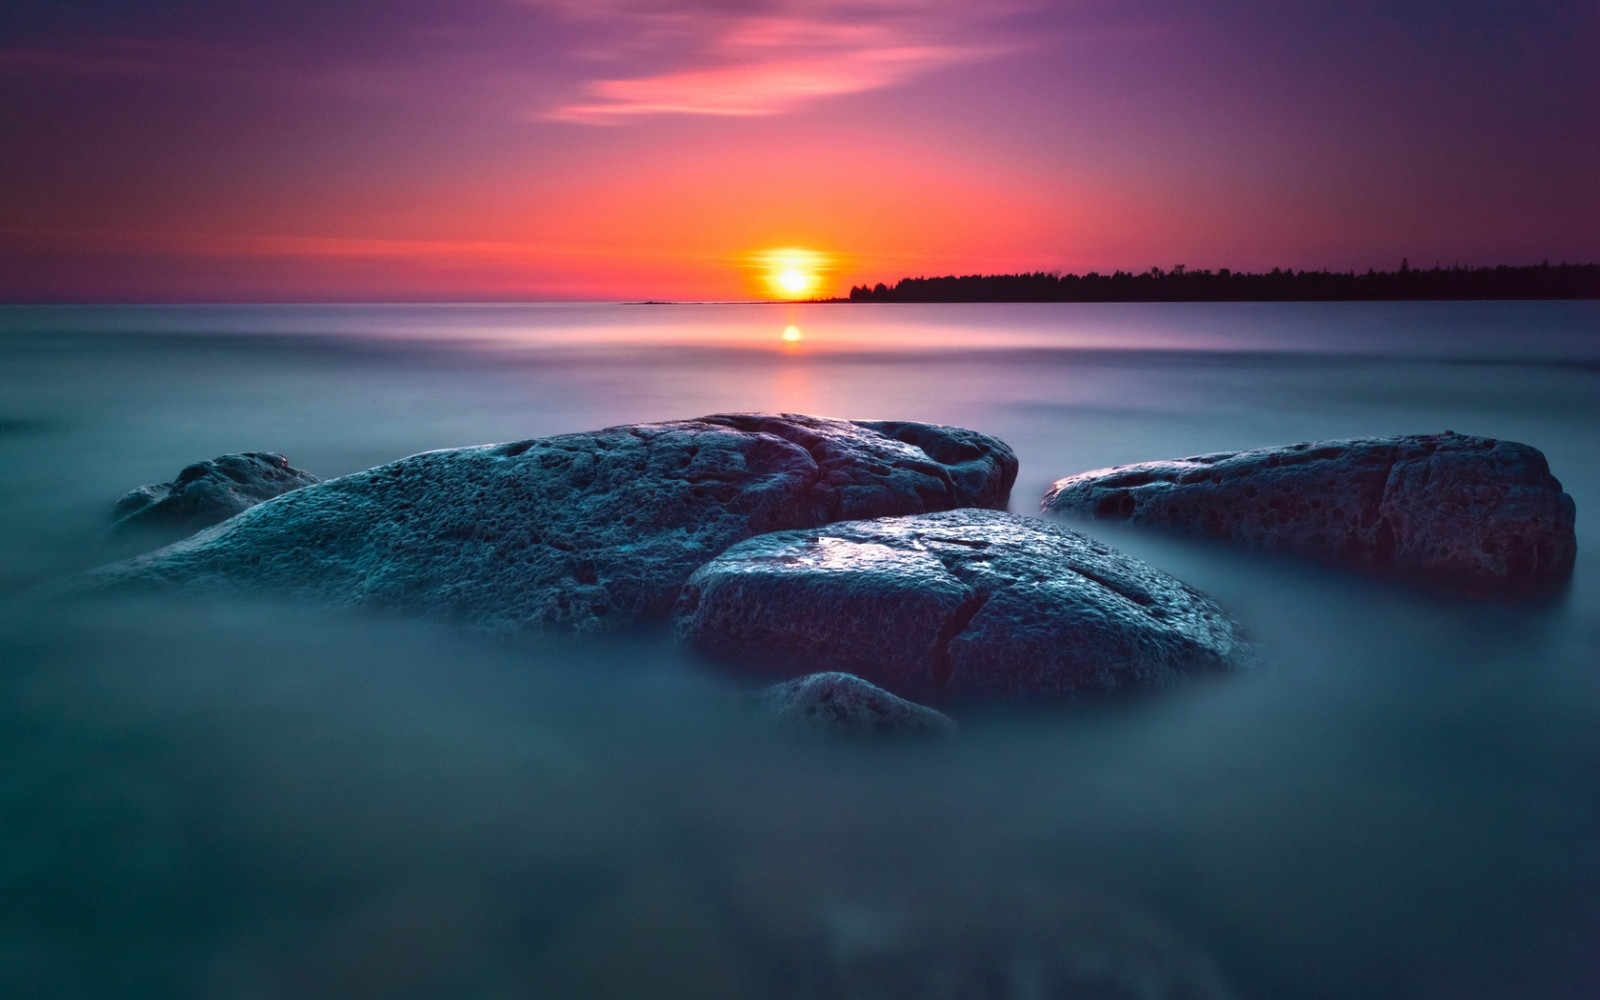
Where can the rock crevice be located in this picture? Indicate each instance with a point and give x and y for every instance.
(1020, 608)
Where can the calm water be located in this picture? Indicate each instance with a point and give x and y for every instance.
(247, 801)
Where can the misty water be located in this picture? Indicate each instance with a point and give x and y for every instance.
(253, 800)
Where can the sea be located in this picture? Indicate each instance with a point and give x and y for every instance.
(242, 799)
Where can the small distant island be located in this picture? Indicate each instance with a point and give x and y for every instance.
(1539, 281)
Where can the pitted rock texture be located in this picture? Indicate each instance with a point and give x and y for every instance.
(1452, 511)
(204, 494)
(844, 705)
(968, 604)
(590, 531)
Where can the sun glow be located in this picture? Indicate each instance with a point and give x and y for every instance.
(792, 273)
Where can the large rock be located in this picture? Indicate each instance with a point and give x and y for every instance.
(963, 605)
(1449, 510)
(588, 531)
(844, 705)
(204, 494)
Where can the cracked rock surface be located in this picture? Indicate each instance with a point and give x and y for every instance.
(589, 532)
(845, 705)
(966, 604)
(204, 494)
(1452, 511)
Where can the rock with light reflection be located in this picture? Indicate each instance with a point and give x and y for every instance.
(967, 604)
(590, 532)
(204, 494)
(844, 705)
(1450, 511)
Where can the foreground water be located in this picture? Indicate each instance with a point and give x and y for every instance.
(232, 800)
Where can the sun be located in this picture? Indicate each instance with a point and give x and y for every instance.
(795, 282)
(792, 273)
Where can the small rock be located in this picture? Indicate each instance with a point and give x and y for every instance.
(966, 604)
(204, 494)
(1455, 512)
(845, 705)
(592, 532)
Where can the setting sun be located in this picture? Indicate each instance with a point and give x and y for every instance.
(795, 283)
(792, 273)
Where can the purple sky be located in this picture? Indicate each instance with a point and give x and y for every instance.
(629, 148)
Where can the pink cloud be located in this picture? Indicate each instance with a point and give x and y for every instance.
(713, 61)
(759, 88)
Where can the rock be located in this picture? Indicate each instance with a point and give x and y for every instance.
(204, 494)
(591, 532)
(1452, 511)
(964, 605)
(845, 705)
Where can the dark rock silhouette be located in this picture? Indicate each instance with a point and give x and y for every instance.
(967, 604)
(838, 704)
(590, 531)
(204, 494)
(1465, 514)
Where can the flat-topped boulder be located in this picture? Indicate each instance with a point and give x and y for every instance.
(204, 494)
(966, 604)
(590, 532)
(1451, 511)
(844, 705)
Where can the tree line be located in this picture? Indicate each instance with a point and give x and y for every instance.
(1540, 281)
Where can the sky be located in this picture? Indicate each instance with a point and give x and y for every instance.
(443, 150)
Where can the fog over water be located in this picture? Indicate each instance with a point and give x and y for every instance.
(250, 800)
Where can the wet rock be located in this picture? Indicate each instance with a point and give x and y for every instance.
(591, 531)
(204, 494)
(1452, 511)
(966, 604)
(845, 705)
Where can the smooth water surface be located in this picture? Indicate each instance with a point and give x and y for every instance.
(237, 800)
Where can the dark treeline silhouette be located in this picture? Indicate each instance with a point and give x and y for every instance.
(1541, 281)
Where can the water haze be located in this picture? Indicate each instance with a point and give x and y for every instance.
(254, 800)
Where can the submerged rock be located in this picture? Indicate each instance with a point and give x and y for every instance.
(589, 531)
(1448, 510)
(964, 604)
(845, 705)
(204, 494)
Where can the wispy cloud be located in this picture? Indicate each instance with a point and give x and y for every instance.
(719, 59)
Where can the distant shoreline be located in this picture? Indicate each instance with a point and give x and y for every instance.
(1537, 282)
